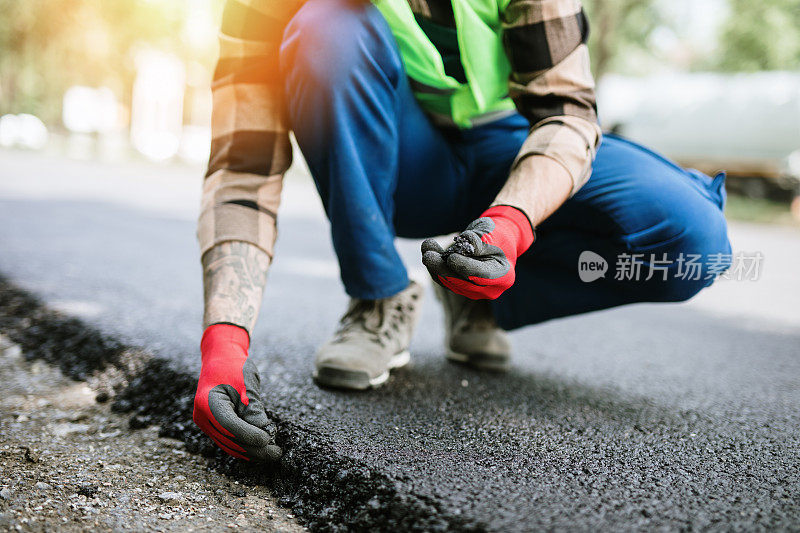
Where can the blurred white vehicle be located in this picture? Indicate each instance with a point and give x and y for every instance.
(157, 107)
(745, 124)
(23, 131)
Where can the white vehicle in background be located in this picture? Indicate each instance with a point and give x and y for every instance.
(23, 131)
(745, 124)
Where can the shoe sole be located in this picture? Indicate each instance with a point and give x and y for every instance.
(342, 378)
(480, 361)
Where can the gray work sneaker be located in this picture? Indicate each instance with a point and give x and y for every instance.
(372, 339)
(472, 336)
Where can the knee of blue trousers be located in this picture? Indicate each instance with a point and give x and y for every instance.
(700, 236)
(327, 40)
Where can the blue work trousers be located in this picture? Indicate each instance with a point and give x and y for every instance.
(384, 170)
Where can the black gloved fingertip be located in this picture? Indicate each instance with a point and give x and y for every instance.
(431, 245)
(431, 259)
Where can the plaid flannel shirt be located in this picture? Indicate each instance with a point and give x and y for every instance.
(551, 85)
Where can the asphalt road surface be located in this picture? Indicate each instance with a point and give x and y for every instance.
(651, 416)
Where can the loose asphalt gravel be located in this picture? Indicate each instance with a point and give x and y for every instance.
(646, 417)
(68, 463)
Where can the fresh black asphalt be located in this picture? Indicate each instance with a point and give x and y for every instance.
(646, 417)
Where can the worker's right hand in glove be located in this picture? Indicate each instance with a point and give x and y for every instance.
(480, 264)
(227, 405)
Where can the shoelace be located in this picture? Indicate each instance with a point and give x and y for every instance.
(378, 319)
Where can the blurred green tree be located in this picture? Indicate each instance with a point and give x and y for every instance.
(48, 45)
(763, 35)
(619, 28)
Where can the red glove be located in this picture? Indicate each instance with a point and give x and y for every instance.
(227, 406)
(480, 263)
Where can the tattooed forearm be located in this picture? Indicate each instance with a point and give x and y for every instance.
(234, 274)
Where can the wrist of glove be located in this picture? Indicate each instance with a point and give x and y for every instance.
(227, 405)
(481, 262)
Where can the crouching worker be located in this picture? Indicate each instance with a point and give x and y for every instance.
(421, 118)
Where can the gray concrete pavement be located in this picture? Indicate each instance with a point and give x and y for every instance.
(670, 416)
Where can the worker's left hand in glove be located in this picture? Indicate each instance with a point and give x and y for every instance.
(481, 261)
(227, 405)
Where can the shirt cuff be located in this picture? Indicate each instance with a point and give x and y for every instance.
(570, 141)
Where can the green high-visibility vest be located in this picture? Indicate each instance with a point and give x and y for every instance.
(484, 96)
